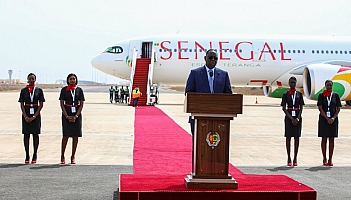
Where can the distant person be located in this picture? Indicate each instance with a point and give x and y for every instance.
(208, 79)
(135, 96)
(71, 102)
(292, 105)
(111, 90)
(329, 107)
(126, 94)
(122, 94)
(116, 90)
(32, 101)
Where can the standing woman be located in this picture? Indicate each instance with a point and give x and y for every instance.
(32, 101)
(292, 105)
(329, 107)
(71, 102)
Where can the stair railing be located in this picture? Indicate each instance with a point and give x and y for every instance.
(135, 54)
(149, 78)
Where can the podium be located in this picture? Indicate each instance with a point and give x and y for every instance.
(212, 114)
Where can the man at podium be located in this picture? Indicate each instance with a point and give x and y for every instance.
(208, 79)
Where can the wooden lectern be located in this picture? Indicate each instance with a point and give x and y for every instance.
(212, 114)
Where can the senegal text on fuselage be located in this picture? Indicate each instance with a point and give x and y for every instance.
(222, 47)
(229, 65)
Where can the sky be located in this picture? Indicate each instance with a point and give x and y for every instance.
(53, 38)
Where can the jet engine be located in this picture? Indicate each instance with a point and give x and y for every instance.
(315, 75)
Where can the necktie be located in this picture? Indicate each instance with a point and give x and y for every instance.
(210, 80)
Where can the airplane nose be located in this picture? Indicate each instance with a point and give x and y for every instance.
(95, 62)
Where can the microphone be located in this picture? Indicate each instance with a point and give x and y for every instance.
(211, 73)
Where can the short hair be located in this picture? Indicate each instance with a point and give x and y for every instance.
(293, 78)
(30, 74)
(69, 75)
(327, 81)
(210, 50)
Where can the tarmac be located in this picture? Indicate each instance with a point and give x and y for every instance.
(106, 149)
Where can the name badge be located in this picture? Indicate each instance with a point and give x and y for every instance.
(293, 113)
(73, 109)
(328, 113)
(31, 111)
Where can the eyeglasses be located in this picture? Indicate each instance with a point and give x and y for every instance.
(212, 57)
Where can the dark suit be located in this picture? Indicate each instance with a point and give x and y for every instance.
(198, 82)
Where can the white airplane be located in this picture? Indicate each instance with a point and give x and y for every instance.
(268, 61)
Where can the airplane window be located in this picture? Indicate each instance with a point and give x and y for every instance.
(186, 50)
(234, 50)
(298, 51)
(317, 51)
(200, 50)
(115, 49)
(303, 51)
(195, 50)
(322, 51)
(336, 52)
(340, 52)
(326, 51)
(278, 51)
(175, 50)
(288, 51)
(349, 52)
(312, 51)
(274, 51)
(190, 50)
(164, 50)
(331, 52)
(345, 52)
(230, 50)
(284, 51)
(215, 50)
(160, 50)
(240, 50)
(293, 51)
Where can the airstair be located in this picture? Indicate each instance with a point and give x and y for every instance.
(141, 75)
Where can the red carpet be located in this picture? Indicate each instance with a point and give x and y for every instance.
(162, 159)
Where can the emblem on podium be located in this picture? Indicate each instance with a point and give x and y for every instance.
(213, 139)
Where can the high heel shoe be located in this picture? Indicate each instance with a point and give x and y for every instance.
(34, 159)
(27, 160)
(330, 164)
(63, 161)
(295, 164)
(73, 160)
(325, 163)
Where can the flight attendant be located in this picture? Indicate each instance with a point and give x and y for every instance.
(31, 100)
(292, 105)
(71, 102)
(329, 107)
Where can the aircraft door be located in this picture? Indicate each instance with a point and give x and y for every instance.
(134, 44)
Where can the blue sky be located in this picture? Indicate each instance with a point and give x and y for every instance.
(54, 38)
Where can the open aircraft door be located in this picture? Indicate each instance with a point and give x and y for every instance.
(134, 44)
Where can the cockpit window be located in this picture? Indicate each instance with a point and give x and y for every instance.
(115, 49)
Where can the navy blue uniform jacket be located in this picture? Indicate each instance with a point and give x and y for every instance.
(198, 81)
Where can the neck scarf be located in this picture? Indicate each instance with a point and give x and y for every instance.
(291, 91)
(30, 88)
(326, 93)
(71, 87)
